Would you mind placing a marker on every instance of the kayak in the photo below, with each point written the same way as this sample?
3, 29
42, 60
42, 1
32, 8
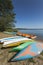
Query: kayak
26, 35
10, 33
22, 46
15, 42
29, 52
10, 38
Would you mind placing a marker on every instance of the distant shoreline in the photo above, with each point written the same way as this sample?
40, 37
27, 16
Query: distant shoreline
28, 28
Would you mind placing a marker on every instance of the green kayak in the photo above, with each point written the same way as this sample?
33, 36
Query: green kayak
22, 46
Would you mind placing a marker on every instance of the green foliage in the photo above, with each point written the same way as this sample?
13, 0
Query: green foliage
7, 16
11, 30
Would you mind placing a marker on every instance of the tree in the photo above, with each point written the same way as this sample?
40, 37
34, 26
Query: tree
7, 16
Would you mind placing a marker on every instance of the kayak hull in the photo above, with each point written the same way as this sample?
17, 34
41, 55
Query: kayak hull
29, 52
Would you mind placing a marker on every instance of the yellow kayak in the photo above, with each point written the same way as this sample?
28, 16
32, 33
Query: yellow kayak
16, 43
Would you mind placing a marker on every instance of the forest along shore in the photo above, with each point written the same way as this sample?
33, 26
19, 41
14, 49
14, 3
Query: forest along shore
5, 56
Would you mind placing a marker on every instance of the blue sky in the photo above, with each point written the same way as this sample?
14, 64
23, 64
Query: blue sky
29, 13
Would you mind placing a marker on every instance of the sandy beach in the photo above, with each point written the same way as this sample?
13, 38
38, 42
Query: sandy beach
5, 56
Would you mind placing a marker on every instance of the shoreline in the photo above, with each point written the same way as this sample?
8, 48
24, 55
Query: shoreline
4, 35
5, 55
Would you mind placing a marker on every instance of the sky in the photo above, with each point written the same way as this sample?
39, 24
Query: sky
29, 13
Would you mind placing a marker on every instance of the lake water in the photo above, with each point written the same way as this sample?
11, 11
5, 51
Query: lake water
38, 32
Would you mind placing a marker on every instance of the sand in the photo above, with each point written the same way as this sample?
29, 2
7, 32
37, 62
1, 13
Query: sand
5, 56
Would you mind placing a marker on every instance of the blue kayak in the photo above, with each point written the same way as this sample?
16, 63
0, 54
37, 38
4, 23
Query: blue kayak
10, 38
29, 52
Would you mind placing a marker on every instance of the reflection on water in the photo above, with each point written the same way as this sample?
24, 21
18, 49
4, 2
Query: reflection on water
38, 33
